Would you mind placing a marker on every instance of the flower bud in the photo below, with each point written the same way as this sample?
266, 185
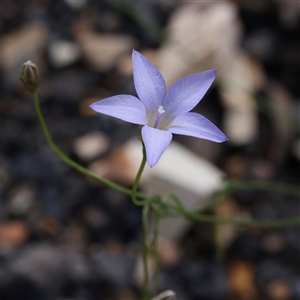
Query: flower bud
30, 77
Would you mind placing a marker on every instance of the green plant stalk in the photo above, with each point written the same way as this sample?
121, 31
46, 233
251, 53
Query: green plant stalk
137, 181
267, 186
243, 223
145, 288
219, 248
71, 162
252, 185
194, 215
155, 251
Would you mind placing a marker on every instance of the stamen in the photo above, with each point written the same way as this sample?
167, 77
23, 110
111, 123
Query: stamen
158, 117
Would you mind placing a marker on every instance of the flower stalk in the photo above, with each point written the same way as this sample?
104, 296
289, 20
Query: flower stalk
137, 180
145, 288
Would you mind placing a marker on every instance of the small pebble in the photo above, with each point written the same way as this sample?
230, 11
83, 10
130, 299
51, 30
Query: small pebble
241, 280
21, 199
273, 242
169, 252
89, 146
63, 53
279, 290
14, 233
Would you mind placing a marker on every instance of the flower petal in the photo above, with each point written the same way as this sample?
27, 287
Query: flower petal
149, 83
125, 107
156, 141
187, 92
193, 124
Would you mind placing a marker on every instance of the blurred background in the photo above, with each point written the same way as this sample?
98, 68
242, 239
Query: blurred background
66, 237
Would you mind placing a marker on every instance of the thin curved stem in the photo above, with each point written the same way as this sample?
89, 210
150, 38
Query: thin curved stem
71, 162
155, 251
244, 223
145, 288
195, 216
267, 186
219, 247
252, 185
137, 181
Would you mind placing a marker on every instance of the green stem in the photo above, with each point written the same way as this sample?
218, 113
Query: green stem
245, 223
219, 246
267, 186
137, 180
233, 185
145, 288
195, 216
71, 162
155, 252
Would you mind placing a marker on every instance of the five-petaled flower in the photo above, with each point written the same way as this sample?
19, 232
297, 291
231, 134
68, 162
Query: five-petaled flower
162, 113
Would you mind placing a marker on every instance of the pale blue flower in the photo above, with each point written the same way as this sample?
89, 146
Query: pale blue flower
162, 113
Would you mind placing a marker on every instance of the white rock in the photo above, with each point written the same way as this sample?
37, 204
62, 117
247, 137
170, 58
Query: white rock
91, 145
21, 199
63, 53
76, 4
240, 125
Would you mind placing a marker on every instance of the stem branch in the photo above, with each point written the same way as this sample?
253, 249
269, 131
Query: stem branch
145, 288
